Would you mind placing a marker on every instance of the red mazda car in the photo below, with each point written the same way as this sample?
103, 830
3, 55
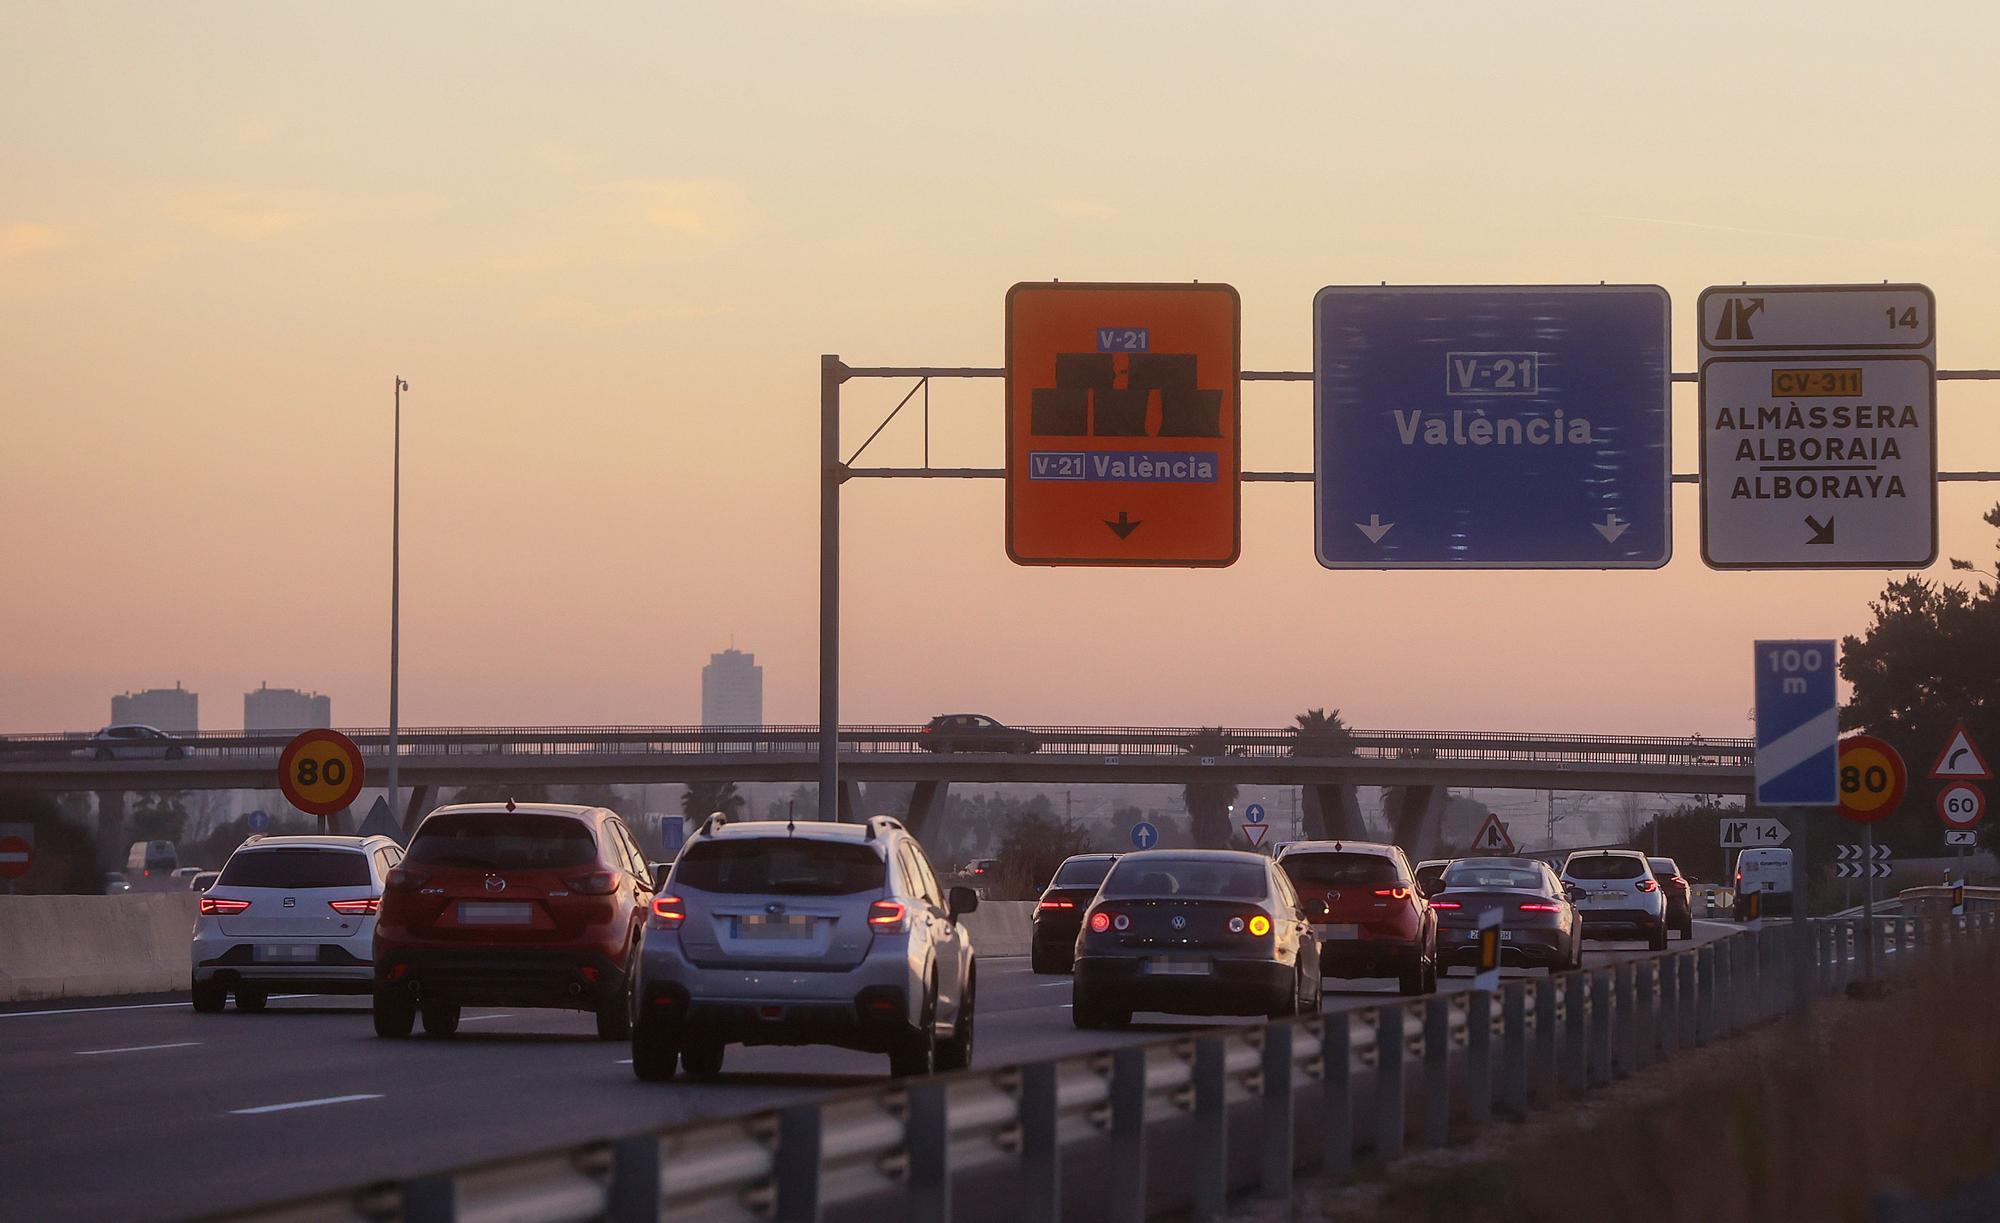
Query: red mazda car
530, 904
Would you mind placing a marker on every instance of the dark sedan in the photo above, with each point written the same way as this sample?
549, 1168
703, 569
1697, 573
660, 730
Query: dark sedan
1680, 895
975, 732
1194, 932
1539, 927
1059, 914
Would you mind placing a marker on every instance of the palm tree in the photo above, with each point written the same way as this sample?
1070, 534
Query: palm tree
705, 798
1319, 733
1208, 802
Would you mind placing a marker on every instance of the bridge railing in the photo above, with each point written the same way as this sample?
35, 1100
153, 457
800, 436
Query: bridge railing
1180, 1124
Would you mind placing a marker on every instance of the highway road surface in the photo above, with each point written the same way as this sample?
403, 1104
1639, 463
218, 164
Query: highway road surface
140, 1109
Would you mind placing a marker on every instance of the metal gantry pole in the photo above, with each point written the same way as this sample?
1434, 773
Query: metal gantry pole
1870, 937
832, 372
396, 599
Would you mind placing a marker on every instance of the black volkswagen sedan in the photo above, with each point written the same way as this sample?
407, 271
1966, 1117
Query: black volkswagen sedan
1538, 923
1194, 932
1058, 914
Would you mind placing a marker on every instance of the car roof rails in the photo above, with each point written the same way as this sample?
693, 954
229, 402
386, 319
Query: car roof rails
716, 819
893, 823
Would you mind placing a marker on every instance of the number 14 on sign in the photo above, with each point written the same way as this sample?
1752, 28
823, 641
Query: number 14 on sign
1753, 833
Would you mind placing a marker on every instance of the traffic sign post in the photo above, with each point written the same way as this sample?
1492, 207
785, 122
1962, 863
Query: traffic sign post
1752, 833
1865, 861
1123, 415
1957, 837
1492, 427
257, 821
1487, 975
1254, 833
320, 772
1960, 760
17, 852
1818, 427
1254, 813
1961, 805
1798, 723
1872, 778
1144, 835
1492, 837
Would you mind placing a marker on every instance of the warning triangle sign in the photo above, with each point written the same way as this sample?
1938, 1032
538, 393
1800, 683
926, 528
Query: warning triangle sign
1255, 833
1961, 759
1492, 837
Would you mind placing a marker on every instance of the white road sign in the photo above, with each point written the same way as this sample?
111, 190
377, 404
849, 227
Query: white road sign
1818, 427
1961, 836
1753, 834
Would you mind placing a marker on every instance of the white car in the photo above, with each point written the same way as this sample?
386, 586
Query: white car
131, 741
291, 913
1617, 896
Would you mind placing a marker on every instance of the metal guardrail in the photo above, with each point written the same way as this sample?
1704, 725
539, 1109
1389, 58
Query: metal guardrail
1425, 1066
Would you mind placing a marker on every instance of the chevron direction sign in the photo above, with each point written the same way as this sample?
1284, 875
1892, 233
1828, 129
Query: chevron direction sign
1858, 862
1798, 724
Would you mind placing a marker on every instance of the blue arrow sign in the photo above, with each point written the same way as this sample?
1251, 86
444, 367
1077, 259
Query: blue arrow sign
1798, 724
1492, 427
257, 820
1254, 813
1144, 835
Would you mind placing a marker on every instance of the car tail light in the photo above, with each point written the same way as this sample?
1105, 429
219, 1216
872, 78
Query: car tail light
1100, 922
1647, 885
1260, 925
596, 883
1446, 904
1120, 921
1678, 882
889, 916
1056, 904
356, 908
213, 905
1540, 906
1395, 893
1236, 925
404, 877
669, 911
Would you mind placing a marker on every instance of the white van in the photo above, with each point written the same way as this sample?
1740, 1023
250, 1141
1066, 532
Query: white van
1768, 873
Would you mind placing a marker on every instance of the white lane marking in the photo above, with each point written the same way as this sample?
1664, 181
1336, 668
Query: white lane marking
1054, 985
179, 1044
280, 1108
624, 1061
130, 1006
477, 1018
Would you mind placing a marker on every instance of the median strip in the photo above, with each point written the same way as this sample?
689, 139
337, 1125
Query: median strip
281, 1108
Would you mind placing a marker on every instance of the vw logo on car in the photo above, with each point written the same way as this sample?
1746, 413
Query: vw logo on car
1180, 923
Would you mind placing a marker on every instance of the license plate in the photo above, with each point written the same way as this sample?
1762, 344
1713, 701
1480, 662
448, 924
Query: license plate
487, 913
1610, 895
287, 953
1506, 936
1342, 930
757, 926
1178, 968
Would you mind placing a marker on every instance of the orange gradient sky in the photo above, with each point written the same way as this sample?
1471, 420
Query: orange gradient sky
607, 245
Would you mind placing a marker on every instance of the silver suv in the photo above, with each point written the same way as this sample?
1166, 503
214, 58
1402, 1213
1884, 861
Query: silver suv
774, 933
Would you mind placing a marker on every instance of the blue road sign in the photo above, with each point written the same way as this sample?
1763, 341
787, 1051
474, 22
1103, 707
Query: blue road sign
257, 820
1254, 813
1493, 427
1144, 835
1798, 724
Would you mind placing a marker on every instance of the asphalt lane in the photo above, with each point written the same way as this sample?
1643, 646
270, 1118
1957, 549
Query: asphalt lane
145, 1110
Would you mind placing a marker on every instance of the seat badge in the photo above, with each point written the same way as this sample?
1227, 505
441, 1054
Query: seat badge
291, 902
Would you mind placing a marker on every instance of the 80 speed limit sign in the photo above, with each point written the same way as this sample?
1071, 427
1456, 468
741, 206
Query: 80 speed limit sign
320, 772
1961, 805
1872, 778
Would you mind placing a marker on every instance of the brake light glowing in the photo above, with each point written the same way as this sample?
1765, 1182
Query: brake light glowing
669, 911
1260, 925
1396, 893
1677, 881
1647, 885
597, 883
1446, 904
1057, 904
1100, 922
888, 916
356, 908
214, 905
1540, 906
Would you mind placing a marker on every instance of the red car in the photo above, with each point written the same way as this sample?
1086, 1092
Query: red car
1366, 909
1680, 894
530, 904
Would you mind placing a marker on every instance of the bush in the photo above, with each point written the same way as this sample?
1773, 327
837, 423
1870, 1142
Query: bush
65, 853
1032, 846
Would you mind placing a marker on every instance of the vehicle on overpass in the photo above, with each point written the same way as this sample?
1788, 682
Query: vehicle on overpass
1194, 932
1058, 916
1766, 873
1367, 912
771, 932
290, 913
975, 732
1617, 896
1679, 893
521, 904
131, 741
1539, 926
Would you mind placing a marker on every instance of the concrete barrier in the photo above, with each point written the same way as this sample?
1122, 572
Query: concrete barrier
90, 946
1001, 927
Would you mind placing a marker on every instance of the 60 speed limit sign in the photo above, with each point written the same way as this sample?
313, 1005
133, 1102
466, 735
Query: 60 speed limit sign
1872, 778
1961, 806
320, 772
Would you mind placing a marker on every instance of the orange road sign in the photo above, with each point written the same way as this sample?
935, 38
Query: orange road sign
1124, 442
1872, 778
320, 772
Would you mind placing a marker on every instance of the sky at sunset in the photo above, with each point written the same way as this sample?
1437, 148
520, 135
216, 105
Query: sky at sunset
607, 244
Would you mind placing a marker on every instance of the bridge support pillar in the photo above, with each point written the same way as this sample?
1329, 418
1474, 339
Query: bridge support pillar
1416, 819
111, 843
1333, 813
420, 797
926, 804
853, 805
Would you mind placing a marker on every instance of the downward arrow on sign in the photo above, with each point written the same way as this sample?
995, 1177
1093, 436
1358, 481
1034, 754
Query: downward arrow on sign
1374, 528
1124, 526
1611, 528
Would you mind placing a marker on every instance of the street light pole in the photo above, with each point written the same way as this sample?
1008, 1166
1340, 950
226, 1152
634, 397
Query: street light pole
396, 598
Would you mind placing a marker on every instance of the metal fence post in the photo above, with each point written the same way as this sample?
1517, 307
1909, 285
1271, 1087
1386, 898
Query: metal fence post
1389, 1082
1704, 995
1041, 1169
1478, 1057
1920, 945
927, 1139
1336, 1101
635, 1180
430, 1199
1211, 1129
1600, 1027
1437, 1070
1127, 1173
1625, 1014
1277, 1090
1576, 1059
1514, 1049
796, 1164
1547, 1072
1668, 1008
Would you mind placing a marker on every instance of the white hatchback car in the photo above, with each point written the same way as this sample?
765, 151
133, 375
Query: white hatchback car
291, 913
1617, 896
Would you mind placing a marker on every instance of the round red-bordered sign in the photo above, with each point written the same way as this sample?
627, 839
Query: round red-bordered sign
321, 772
1872, 778
1961, 806
16, 857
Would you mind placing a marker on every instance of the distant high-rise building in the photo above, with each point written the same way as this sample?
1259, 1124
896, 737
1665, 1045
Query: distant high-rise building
271, 708
171, 709
732, 690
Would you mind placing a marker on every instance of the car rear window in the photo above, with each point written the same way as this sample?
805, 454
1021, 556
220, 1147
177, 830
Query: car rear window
1082, 873
1315, 872
1493, 877
780, 867
493, 840
1608, 866
1222, 878
296, 868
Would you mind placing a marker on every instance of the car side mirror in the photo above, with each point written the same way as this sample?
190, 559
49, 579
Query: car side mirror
1570, 892
658, 870
960, 901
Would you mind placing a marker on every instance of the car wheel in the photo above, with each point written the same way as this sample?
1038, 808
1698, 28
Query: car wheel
702, 1059
1045, 961
395, 1013
1657, 941
1687, 928
440, 1018
653, 1053
614, 1008
1286, 1005
956, 1053
103, 753
175, 753
1410, 982
916, 1053
251, 998
209, 997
